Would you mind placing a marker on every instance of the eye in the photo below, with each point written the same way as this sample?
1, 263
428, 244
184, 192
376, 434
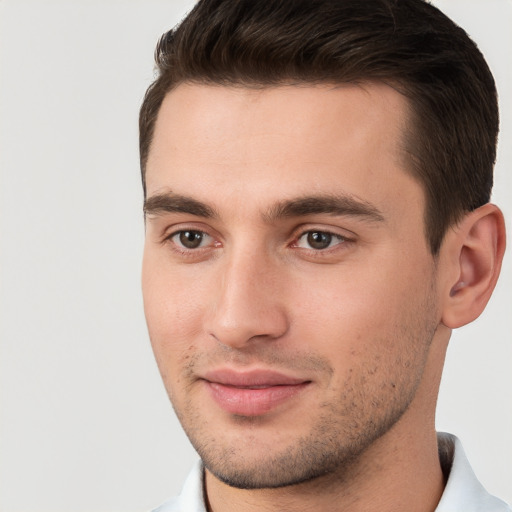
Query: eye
190, 239
318, 240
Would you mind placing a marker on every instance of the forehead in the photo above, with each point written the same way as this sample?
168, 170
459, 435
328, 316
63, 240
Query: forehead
230, 141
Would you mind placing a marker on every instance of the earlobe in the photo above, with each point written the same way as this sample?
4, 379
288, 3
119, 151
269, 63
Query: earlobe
476, 248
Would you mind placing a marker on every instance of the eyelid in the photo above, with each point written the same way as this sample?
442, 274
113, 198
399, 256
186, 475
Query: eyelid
347, 239
331, 230
171, 231
334, 236
203, 243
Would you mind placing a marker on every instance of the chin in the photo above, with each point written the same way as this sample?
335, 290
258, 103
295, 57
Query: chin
305, 461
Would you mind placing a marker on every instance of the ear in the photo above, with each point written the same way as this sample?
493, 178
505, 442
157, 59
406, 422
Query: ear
473, 251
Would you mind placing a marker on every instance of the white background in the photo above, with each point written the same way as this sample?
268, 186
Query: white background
85, 422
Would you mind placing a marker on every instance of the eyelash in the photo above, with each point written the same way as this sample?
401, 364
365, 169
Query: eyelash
318, 252
185, 251
323, 235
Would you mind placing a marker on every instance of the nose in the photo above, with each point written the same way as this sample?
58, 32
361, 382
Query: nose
247, 303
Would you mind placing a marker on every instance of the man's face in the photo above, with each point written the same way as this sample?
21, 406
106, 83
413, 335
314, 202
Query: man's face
288, 287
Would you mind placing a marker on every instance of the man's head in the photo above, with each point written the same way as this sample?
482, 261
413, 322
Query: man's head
450, 140
292, 151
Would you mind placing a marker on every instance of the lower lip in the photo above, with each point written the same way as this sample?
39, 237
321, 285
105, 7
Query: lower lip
252, 402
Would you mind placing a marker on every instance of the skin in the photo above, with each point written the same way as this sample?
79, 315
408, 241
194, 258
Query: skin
363, 322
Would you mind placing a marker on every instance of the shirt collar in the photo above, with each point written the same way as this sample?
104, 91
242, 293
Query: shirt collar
463, 491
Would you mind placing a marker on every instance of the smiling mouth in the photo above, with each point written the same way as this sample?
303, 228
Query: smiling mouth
252, 393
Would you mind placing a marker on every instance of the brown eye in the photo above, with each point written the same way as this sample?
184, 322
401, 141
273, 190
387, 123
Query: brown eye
190, 239
319, 239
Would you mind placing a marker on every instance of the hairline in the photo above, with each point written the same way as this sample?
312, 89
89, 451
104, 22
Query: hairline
260, 85
405, 146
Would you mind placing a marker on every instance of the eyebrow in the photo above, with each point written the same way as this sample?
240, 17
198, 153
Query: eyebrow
170, 202
336, 205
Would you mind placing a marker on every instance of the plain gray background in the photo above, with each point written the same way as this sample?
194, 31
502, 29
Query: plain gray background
85, 422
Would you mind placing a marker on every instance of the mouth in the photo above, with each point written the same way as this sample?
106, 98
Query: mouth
252, 393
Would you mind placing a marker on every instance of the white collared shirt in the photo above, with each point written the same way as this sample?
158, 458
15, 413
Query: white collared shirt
463, 492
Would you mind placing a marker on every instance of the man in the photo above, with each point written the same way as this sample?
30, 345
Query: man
317, 177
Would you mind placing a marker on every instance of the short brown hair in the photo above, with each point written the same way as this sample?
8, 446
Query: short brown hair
408, 44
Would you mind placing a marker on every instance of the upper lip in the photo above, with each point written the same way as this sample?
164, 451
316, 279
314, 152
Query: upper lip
252, 378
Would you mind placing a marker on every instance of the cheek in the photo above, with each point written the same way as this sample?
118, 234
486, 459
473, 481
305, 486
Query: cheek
375, 311
172, 306
343, 302
173, 326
